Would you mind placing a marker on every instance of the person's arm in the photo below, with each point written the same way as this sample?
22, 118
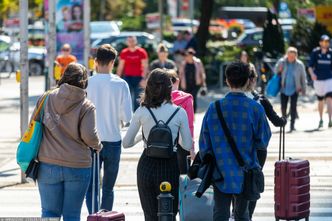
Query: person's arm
303, 79
130, 138
312, 64
126, 104
271, 114
205, 144
262, 131
279, 67
182, 77
119, 70
189, 108
88, 129
187, 140
203, 75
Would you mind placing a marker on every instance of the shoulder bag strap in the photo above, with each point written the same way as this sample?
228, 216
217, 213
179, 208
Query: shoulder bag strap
40, 108
229, 136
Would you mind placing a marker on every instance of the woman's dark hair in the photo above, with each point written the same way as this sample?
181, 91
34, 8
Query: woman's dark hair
73, 13
237, 74
158, 89
75, 75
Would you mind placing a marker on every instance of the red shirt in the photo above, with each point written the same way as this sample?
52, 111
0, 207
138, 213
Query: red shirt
133, 61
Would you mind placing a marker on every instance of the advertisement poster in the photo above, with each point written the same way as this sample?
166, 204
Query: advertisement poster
324, 16
69, 26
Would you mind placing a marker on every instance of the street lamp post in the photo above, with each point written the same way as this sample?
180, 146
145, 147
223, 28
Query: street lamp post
161, 18
51, 47
24, 68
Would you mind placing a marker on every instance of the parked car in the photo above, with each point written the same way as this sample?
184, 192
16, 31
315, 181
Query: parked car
251, 38
10, 55
103, 29
144, 39
254, 37
184, 24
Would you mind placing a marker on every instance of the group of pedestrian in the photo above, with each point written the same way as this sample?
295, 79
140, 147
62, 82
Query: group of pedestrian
83, 116
293, 80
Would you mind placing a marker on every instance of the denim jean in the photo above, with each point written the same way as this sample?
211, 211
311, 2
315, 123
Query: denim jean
221, 210
110, 158
62, 190
135, 89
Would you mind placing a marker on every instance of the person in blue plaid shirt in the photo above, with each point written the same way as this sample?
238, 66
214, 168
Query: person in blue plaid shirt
248, 125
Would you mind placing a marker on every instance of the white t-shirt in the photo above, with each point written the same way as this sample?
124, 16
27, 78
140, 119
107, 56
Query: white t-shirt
111, 97
142, 117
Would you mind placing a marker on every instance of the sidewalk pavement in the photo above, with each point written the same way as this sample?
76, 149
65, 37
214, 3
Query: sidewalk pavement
306, 143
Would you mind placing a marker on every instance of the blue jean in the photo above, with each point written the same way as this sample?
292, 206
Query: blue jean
62, 190
110, 157
135, 89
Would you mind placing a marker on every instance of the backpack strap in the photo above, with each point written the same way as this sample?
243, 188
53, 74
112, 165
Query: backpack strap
154, 117
171, 117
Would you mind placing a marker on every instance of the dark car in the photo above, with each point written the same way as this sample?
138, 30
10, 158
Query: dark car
251, 38
144, 39
10, 57
254, 37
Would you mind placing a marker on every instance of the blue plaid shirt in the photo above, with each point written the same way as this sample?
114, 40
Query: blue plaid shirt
247, 123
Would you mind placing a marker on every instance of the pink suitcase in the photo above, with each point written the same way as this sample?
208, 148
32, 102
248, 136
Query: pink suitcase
291, 187
105, 215
101, 215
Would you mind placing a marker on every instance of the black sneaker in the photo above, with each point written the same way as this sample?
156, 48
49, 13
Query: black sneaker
320, 125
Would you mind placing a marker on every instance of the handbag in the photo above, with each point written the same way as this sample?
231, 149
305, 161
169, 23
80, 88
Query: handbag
191, 207
32, 170
253, 184
273, 86
28, 148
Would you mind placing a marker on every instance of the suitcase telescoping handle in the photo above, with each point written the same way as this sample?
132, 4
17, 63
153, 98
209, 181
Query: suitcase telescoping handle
282, 142
95, 181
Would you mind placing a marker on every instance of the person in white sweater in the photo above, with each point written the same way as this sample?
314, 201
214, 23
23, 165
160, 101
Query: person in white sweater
151, 171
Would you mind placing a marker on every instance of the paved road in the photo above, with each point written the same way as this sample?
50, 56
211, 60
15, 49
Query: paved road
306, 143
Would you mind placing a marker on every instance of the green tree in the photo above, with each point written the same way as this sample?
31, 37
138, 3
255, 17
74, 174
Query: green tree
11, 7
306, 35
116, 9
202, 34
273, 38
301, 35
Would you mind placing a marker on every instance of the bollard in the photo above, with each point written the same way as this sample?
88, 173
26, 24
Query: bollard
165, 203
18, 76
57, 72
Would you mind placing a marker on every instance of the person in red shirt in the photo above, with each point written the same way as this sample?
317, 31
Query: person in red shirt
133, 67
65, 58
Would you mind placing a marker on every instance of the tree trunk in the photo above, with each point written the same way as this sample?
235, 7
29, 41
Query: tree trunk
202, 34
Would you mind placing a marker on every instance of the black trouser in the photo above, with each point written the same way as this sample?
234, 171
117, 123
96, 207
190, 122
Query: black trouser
222, 203
293, 106
150, 173
183, 161
194, 91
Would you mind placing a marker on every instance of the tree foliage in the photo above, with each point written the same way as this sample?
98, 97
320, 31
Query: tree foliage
273, 38
11, 7
116, 9
306, 35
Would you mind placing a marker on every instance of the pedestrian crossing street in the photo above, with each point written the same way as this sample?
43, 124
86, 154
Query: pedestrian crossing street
127, 201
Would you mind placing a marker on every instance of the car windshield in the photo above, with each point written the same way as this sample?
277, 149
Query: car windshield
103, 27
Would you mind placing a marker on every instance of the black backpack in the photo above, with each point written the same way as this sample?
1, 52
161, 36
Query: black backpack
160, 141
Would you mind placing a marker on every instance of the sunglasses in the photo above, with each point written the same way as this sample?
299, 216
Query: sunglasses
65, 49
